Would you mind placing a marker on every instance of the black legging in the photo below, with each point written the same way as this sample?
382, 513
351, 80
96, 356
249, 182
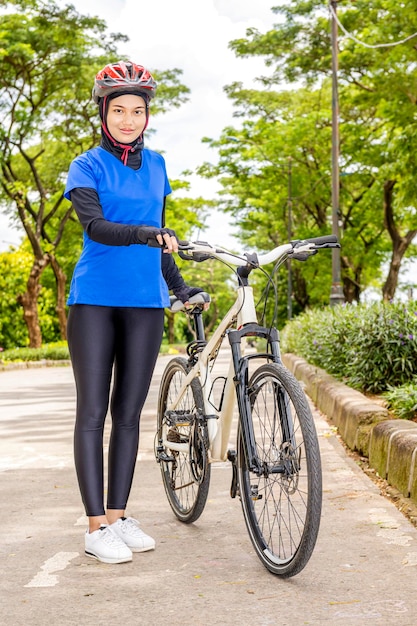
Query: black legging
98, 337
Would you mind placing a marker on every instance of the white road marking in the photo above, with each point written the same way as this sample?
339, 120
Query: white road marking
45, 577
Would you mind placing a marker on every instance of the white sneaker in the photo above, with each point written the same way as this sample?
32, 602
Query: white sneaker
128, 529
104, 544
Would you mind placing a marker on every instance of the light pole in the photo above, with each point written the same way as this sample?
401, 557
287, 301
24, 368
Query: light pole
289, 226
336, 294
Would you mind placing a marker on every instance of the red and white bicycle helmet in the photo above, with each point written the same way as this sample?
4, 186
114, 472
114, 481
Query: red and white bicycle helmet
123, 76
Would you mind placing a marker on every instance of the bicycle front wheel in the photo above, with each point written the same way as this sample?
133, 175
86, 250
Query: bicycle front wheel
182, 443
281, 502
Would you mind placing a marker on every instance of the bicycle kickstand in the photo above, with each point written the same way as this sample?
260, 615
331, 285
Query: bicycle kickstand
234, 487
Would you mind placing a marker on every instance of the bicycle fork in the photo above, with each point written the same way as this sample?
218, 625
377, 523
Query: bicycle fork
241, 382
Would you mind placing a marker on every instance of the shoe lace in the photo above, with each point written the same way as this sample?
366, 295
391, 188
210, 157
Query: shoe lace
132, 526
109, 537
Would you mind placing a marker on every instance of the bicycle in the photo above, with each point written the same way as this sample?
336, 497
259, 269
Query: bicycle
276, 467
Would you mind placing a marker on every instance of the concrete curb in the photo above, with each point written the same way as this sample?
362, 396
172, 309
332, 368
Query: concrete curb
365, 426
23, 365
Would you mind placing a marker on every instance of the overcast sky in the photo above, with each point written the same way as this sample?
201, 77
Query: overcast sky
192, 35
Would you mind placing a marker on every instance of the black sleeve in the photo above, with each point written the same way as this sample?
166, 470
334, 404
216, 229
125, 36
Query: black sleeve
88, 208
163, 212
171, 273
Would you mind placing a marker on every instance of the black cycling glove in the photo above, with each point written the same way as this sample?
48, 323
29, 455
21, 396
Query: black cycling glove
146, 235
186, 292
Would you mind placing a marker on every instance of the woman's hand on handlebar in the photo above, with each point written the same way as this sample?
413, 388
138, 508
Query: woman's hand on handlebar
158, 237
168, 240
185, 292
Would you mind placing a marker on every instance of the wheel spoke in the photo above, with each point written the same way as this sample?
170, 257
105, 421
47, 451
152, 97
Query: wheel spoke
186, 475
283, 518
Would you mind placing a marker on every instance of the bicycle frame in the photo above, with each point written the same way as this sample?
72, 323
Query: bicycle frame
242, 314
276, 469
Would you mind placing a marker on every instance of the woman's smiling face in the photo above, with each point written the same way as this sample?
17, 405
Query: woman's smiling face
126, 117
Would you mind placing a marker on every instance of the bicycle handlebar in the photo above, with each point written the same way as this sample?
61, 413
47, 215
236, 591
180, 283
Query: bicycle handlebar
298, 249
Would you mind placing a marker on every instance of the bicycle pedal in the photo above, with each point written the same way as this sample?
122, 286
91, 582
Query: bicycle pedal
163, 456
255, 495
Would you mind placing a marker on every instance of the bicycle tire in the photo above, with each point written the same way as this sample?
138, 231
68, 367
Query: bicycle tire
185, 475
282, 510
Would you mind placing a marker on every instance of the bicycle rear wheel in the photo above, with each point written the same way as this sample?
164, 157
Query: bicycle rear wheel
185, 470
282, 503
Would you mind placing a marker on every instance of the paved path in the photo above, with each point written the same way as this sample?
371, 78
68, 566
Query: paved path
363, 571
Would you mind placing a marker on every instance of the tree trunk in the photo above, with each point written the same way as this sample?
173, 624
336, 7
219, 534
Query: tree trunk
351, 290
299, 288
29, 302
391, 282
351, 280
61, 281
399, 244
171, 332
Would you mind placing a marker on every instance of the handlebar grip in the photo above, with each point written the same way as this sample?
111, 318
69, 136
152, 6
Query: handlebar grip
198, 299
152, 243
325, 239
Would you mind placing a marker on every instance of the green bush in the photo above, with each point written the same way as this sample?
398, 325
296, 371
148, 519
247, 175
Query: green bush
58, 351
403, 400
369, 347
52, 352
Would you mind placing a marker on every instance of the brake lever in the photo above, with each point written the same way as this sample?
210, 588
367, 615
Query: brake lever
186, 252
328, 245
302, 256
194, 256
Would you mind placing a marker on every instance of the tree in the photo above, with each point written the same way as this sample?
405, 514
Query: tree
276, 178
182, 215
377, 127
48, 58
14, 270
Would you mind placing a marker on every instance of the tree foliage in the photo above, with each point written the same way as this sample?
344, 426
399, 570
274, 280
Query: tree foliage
279, 127
14, 271
49, 56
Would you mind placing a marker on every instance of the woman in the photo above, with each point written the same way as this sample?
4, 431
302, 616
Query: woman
118, 293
